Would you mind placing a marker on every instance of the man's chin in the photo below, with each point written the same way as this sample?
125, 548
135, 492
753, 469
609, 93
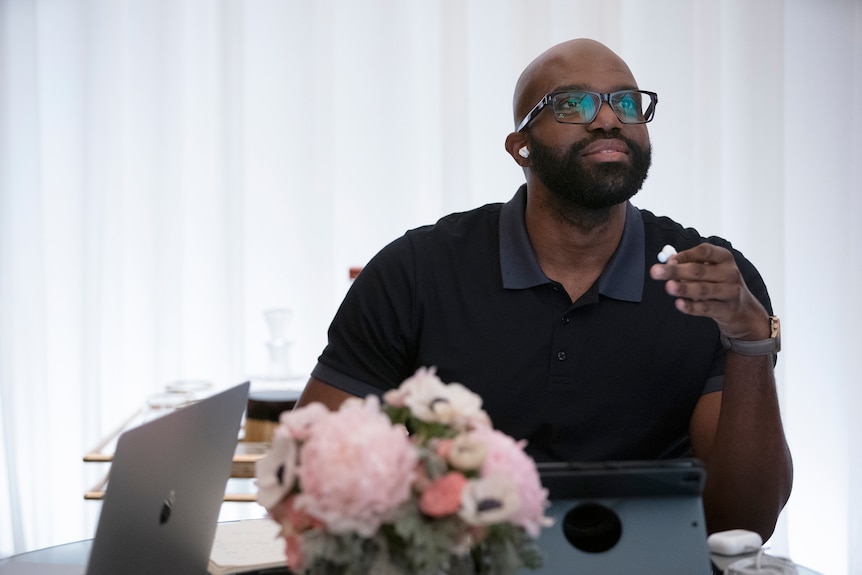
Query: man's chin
596, 197
601, 203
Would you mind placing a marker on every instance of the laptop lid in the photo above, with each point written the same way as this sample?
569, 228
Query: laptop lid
619, 518
166, 486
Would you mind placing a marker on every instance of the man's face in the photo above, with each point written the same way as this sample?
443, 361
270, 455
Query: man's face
599, 171
590, 166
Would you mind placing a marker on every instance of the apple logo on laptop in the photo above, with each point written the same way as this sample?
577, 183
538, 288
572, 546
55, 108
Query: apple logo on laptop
167, 507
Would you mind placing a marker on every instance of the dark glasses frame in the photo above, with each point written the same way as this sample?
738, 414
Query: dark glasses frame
550, 97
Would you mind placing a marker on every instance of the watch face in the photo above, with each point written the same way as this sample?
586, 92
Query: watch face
775, 332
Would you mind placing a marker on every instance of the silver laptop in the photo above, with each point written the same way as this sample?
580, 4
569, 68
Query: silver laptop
165, 490
620, 518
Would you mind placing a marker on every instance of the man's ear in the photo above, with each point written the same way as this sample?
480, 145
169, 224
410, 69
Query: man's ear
518, 146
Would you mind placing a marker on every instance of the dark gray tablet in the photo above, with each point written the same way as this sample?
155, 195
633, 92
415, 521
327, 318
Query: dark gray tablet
625, 518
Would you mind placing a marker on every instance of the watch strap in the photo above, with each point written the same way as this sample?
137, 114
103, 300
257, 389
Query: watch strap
769, 346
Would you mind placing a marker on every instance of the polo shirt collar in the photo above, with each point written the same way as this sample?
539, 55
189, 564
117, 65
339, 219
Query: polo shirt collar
622, 279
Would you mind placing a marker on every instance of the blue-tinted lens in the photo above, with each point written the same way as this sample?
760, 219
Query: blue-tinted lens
628, 106
576, 107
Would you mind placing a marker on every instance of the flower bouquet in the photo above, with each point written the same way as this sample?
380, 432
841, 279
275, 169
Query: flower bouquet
420, 485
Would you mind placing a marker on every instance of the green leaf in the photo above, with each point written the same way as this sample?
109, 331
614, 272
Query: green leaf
506, 550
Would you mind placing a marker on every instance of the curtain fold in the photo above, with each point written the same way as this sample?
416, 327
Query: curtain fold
171, 169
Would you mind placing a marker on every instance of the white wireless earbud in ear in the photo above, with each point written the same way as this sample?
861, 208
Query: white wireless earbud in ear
524, 152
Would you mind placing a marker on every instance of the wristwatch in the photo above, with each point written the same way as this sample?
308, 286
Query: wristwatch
761, 347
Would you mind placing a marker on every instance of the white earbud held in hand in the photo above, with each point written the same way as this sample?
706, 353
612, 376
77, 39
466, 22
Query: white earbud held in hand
665, 253
524, 152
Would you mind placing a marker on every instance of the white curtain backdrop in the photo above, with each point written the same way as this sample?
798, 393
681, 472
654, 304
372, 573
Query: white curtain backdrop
170, 169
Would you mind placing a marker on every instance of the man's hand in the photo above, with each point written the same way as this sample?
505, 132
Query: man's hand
706, 282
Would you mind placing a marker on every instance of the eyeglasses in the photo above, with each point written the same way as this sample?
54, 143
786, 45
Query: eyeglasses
582, 107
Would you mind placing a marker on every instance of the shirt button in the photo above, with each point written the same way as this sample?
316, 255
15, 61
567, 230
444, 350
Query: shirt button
565, 320
561, 355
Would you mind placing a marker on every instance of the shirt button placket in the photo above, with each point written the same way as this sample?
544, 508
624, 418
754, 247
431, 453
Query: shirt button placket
561, 355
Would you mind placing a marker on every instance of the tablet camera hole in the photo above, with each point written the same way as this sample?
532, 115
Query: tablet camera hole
592, 527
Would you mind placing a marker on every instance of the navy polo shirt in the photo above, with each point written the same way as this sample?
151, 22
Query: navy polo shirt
612, 376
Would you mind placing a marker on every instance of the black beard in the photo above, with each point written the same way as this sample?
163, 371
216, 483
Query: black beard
596, 188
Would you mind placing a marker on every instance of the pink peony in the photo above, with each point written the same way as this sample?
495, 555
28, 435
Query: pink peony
355, 469
301, 421
508, 458
443, 496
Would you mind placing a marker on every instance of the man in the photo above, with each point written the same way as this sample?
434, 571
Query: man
554, 309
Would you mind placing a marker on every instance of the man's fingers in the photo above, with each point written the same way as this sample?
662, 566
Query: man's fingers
704, 308
703, 290
704, 253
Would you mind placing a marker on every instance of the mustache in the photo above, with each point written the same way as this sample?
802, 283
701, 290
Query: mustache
604, 136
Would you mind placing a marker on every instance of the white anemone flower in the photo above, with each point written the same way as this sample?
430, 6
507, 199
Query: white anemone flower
489, 500
467, 453
432, 401
276, 471
398, 397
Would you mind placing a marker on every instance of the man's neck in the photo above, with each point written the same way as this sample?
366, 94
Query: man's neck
572, 244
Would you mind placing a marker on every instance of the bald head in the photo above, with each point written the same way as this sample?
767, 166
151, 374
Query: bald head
581, 63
